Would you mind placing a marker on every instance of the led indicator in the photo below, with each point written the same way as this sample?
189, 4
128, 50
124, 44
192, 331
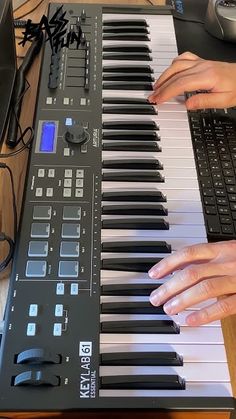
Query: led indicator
68, 122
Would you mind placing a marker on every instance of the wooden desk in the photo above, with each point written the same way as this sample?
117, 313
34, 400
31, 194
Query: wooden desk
19, 164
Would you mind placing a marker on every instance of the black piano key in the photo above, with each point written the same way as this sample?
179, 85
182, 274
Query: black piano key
134, 196
128, 77
126, 100
131, 135
131, 307
133, 176
129, 85
125, 29
141, 358
127, 68
130, 109
139, 164
129, 264
127, 48
130, 22
125, 36
142, 382
128, 289
139, 223
131, 146
126, 56
140, 326
131, 125
134, 209
136, 246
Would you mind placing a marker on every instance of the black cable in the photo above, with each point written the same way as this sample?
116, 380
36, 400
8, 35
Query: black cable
18, 23
6, 261
26, 145
3, 236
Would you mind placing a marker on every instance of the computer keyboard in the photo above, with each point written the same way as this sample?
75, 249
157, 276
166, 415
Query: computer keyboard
214, 143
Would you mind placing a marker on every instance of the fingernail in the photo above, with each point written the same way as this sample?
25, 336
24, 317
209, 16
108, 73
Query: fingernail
156, 298
170, 307
153, 273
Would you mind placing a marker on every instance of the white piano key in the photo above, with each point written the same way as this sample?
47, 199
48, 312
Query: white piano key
173, 194
176, 243
172, 206
167, 162
192, 372
165, 123
142, 95
190, 353
171, 183
164, 153
199, 335
179, 318
203, 390
174, 231
173, 218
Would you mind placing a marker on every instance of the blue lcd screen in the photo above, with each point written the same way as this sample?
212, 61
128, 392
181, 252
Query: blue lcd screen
47, 139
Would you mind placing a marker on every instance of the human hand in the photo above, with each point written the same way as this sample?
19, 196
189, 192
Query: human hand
203, 271
188, 72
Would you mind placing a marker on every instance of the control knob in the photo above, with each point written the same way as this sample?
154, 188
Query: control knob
76, 135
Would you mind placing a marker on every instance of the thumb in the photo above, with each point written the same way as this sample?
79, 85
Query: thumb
207, 100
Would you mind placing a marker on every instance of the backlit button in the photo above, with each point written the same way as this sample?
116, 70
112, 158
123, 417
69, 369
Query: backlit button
68, 173
80, 173
42, 212
71, 213
70, 231
49, 192
69, 249
67, 183
31, 329
58, 310
38, 248
79, 193
51, 172
40, 230
41, 172
66, 101
74, 289
68, 269
60, 289
33, 310
36, 269
67, 192
79, 183
57, 329
39, 192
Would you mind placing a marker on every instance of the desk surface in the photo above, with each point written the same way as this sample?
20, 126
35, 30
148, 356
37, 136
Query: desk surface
34, 9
